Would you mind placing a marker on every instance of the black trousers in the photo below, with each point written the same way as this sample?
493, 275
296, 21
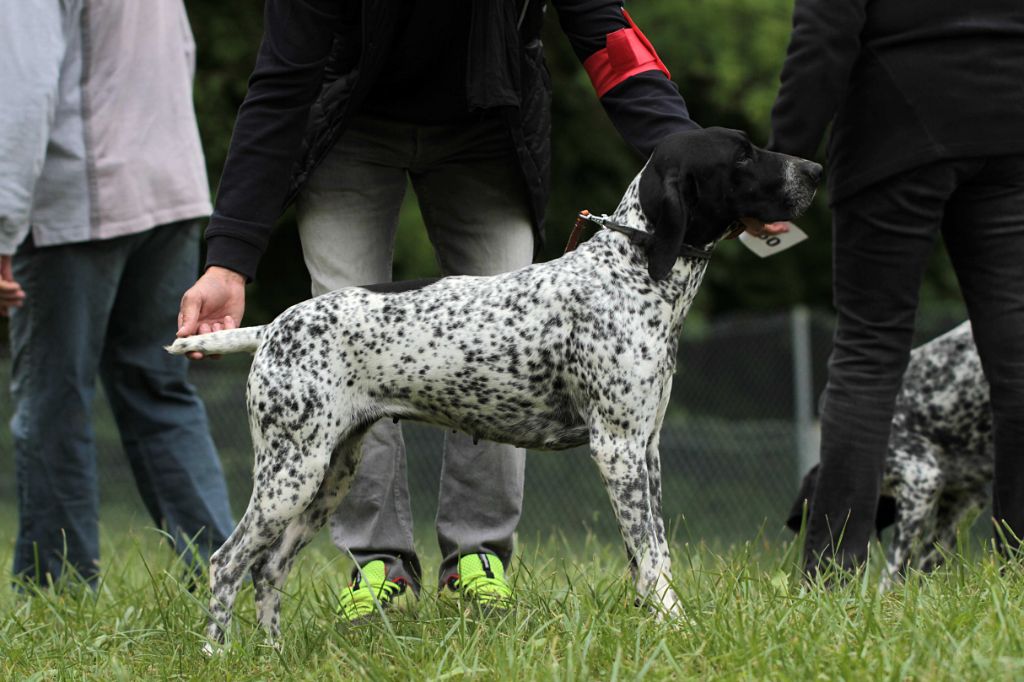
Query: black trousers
882, 239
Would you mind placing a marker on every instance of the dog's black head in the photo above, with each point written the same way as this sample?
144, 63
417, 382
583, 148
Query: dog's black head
699, 182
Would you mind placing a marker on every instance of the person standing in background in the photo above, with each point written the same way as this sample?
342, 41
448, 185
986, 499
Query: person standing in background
102, 182
348, 102
926, 103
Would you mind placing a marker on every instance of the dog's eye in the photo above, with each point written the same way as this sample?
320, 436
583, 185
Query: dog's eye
743, 161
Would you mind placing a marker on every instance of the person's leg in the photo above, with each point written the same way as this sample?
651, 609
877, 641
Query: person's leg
348, 215
56, 341
162, 420
984, 231
476, 208
881, 242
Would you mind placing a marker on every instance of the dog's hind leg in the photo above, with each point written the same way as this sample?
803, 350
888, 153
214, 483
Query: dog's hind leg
270, 571
280, 493
254, 533
622, 463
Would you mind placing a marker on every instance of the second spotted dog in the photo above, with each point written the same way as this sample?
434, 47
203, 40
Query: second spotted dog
940, 456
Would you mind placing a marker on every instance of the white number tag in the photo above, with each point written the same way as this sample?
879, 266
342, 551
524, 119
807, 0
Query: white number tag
771, 244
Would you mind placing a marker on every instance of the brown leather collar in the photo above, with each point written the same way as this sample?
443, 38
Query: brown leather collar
637, 237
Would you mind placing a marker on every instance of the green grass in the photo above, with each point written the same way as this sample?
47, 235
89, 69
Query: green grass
749, 618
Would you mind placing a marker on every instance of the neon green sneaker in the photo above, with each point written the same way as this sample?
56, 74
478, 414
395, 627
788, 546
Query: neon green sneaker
481, 579
369, 586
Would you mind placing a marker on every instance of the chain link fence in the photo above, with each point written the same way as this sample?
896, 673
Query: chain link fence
739, 433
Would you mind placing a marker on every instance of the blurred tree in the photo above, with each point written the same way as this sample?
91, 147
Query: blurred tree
724, 54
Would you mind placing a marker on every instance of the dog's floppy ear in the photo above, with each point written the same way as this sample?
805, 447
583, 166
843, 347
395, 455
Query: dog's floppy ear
664, 200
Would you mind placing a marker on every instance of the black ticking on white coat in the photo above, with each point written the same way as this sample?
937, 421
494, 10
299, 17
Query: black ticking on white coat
555, 355
941, 454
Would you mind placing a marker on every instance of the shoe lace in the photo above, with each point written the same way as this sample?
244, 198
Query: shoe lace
360, 601
482, 588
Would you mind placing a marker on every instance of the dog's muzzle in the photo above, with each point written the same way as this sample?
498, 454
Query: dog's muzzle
802, 178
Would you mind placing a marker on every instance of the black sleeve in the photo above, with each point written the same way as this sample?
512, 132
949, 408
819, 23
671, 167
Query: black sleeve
823, 48
645, 107
297, 39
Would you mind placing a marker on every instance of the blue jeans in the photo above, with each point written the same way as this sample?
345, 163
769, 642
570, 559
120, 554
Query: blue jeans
107, 307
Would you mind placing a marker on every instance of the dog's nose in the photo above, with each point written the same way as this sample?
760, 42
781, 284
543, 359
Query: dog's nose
811, 171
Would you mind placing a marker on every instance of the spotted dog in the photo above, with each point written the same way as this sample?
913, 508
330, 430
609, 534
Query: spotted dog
940, 457
579, 349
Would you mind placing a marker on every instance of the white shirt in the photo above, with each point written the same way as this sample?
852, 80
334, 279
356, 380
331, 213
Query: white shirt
98, 135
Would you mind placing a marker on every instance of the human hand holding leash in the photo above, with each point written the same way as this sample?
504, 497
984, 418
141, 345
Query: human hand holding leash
215, 302
11, 293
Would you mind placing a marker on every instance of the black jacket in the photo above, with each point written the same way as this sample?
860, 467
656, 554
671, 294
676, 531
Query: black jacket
904, 83
319, 59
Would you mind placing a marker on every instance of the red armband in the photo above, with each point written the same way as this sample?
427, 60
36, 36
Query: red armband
627, 52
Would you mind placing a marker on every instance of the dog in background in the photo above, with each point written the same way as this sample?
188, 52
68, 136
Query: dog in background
941, 454
555, 355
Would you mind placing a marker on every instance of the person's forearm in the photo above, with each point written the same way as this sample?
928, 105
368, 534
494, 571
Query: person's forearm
823, 48
645, 109
268, 132
628, 77
32, 44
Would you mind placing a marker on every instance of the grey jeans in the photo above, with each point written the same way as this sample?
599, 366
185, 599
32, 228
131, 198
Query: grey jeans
474, 203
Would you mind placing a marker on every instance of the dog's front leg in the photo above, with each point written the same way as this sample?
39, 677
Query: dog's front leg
916, 500
622, 462
663, 586
653, 458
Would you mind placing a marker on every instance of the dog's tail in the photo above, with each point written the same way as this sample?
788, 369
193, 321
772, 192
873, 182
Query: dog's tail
246, 339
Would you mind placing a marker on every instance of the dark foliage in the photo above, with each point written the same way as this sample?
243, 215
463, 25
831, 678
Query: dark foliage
724, 54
